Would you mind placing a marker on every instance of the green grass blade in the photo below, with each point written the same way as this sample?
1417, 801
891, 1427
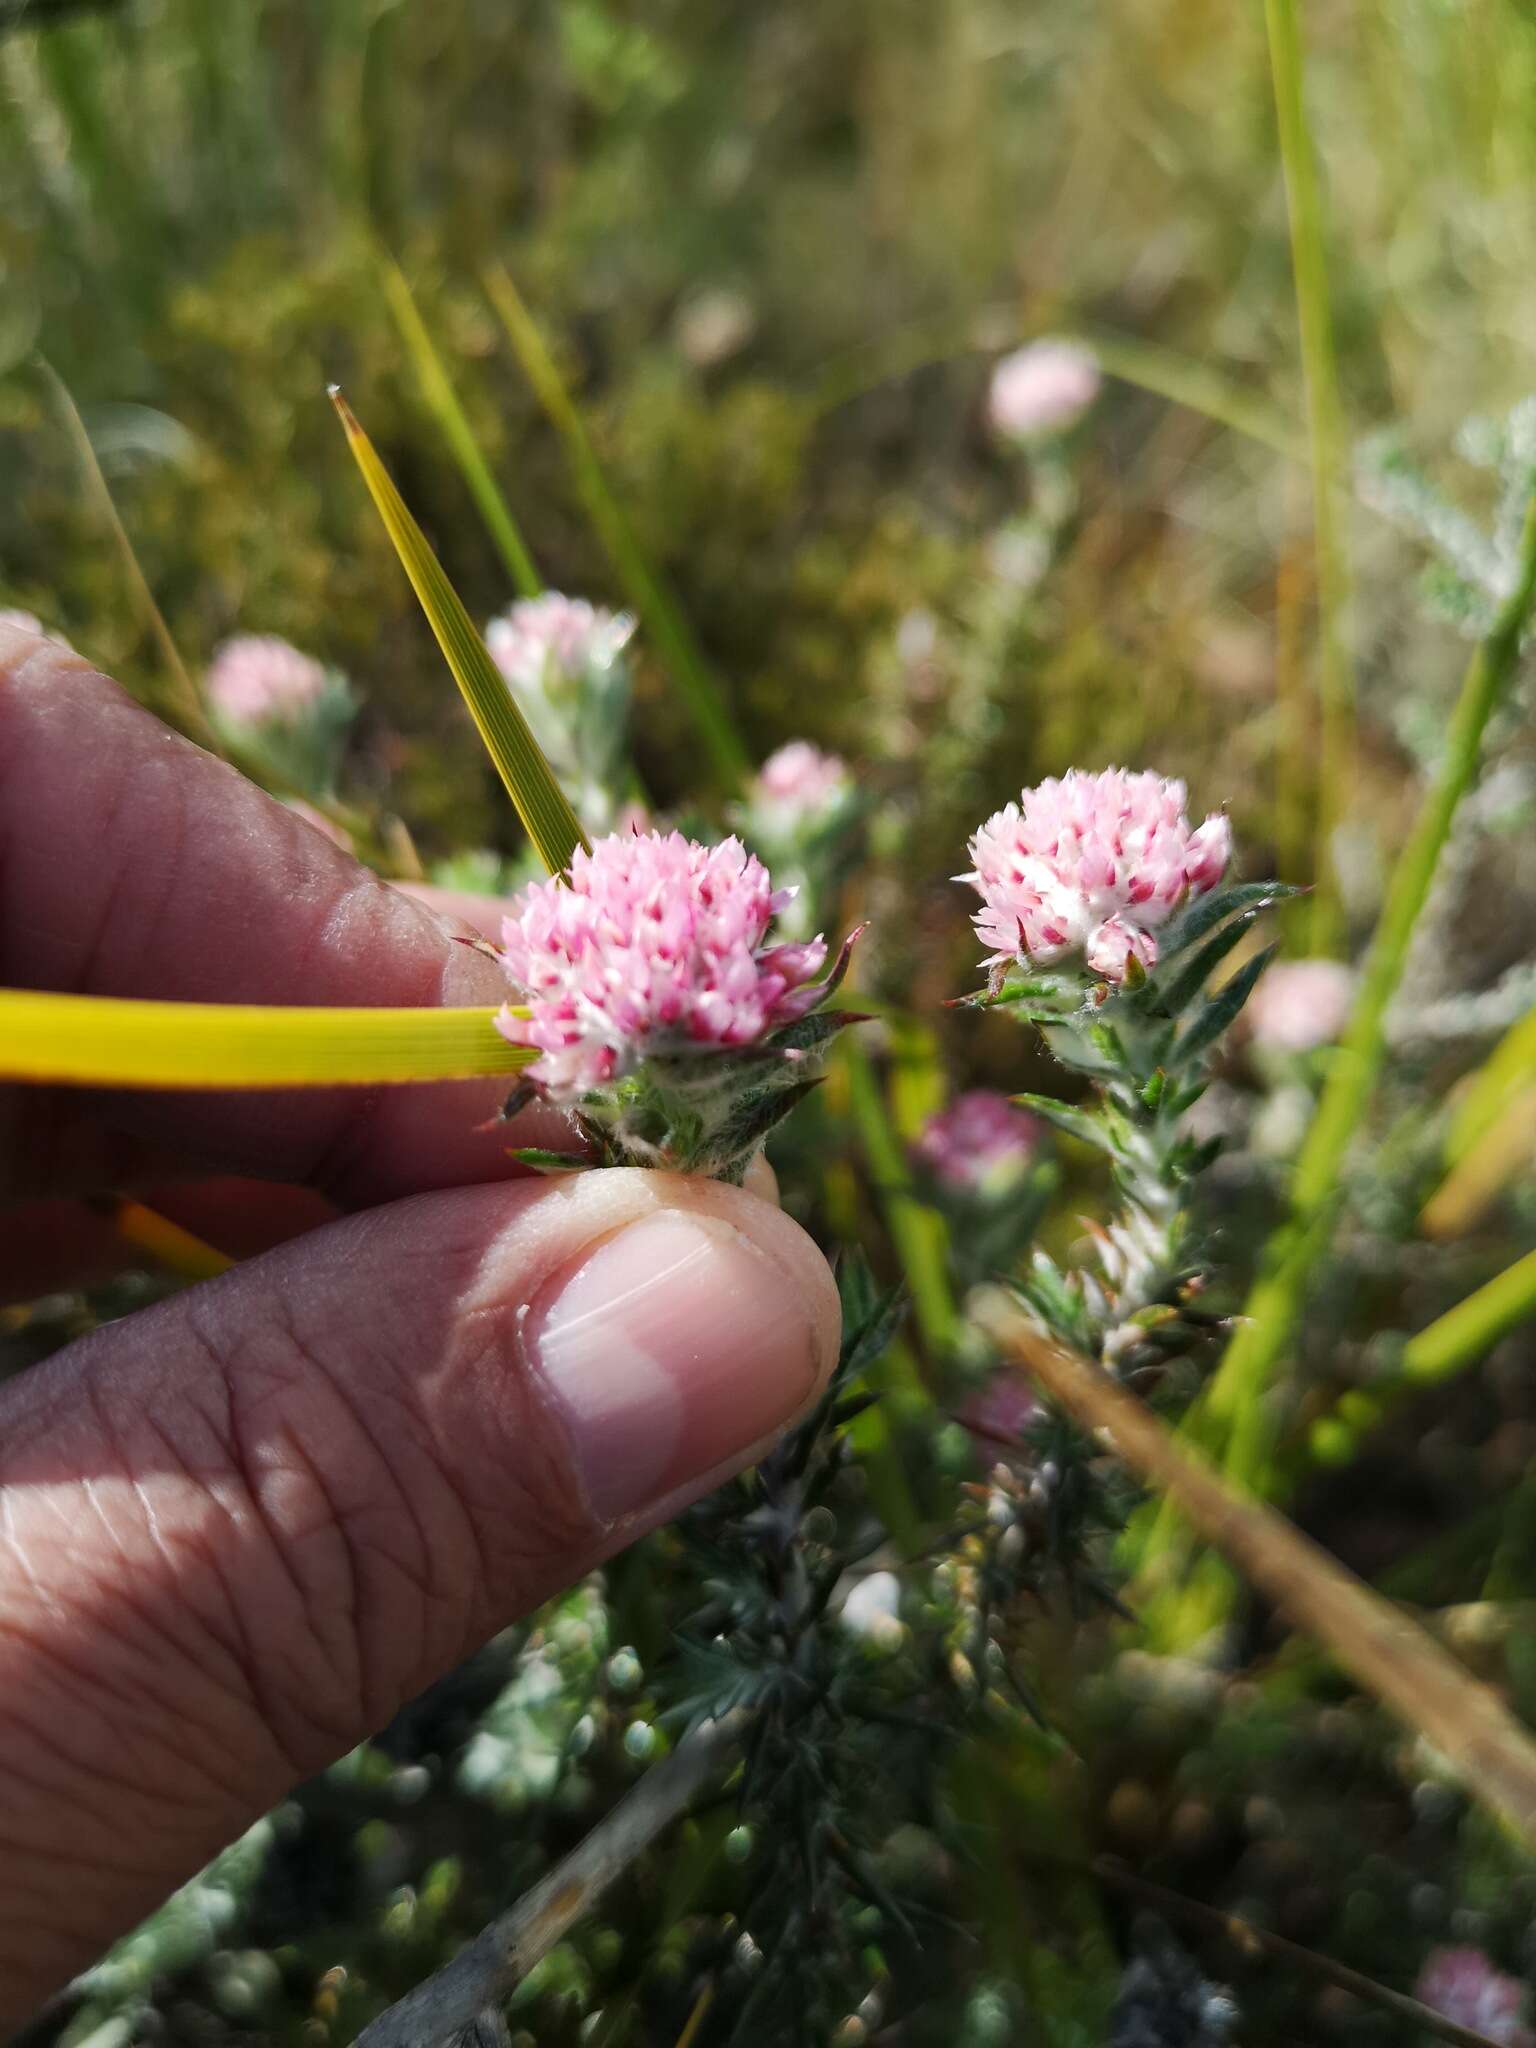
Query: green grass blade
1325, 434
184, 700
453, 423
1506, 1073
917, 1231
110, 1042
541, 803
1236, 1403
658, 609
1234, 1411
1447, 1346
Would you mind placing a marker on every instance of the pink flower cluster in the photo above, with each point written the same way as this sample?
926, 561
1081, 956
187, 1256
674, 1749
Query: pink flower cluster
551, 632
1000, 1412
1042, 389
800, 783
1463, 1985
982, 1136
1091, 864
656, 945
257, 679
1300, 1005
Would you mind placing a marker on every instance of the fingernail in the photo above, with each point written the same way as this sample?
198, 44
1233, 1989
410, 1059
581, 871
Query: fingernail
671, 1349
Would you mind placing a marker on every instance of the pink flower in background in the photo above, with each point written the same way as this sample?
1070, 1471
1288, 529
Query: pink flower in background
798, 784
656, 945
565, 635
981, 1137
1463, 1984
1301, 1004
1042, 389
258, 679
1091, 865
1000, 1412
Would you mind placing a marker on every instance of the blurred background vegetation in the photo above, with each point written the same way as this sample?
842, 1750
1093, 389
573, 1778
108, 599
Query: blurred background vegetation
775, 247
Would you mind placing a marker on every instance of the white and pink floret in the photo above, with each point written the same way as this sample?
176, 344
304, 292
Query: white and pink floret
257, 679
555, 638
1041, 389
799, 784
655, 946
1091, 866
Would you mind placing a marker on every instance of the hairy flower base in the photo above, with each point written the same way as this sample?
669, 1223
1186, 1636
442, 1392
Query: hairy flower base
706, 1113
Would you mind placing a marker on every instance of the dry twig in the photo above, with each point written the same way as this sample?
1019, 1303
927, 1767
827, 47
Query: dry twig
482, 1974
1380, 1646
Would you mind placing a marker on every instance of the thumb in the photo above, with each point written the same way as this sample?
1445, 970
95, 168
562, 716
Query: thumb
239, 1530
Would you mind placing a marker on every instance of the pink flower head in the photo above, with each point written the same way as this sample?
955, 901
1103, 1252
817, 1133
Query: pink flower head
23, 622
1463, 1984
1042, 389
1000, 1412
258, 679
981, 1137
553, 639
799, 783
656, 945
1301, 1004
1091, 865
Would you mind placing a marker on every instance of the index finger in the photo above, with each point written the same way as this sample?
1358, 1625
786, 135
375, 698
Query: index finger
132, 863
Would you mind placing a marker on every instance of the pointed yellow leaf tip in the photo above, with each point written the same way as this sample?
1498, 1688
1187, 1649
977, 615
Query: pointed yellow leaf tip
541, 803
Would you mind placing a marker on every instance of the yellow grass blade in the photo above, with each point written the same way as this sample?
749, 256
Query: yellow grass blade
541, 803
107, 1042
167, 1243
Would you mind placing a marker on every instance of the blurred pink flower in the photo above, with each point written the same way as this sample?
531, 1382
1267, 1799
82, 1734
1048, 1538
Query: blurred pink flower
799, 783
565, 635
981, 1137
1001, 1412
1463, 1984
1301, 1004
1042, 389
24, 622
657, 945
257, 679
1091, 864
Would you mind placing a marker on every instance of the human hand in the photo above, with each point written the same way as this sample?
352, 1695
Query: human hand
239, 1529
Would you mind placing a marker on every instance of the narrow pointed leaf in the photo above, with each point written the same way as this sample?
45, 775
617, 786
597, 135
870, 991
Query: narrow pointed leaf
1206, 912
541, 803
1180, 992
1221, 1009
108, 1042
1075, 1122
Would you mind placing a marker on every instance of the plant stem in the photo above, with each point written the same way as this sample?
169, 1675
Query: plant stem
663, 616
1325, 434
502, 1954
917, 1231
1235, 1408
443, 403
1448, 1346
